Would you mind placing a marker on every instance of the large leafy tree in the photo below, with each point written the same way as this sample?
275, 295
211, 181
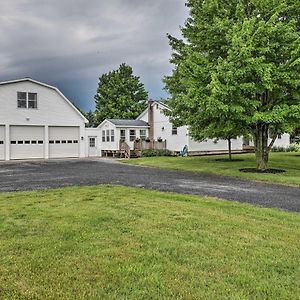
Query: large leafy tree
120, 94
239, 61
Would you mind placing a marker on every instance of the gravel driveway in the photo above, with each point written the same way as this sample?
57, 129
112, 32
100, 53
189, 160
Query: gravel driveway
36, 175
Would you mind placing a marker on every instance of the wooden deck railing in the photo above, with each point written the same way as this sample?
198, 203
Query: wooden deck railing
124, 149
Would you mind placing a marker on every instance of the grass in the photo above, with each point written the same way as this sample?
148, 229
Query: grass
208, 164
112, 242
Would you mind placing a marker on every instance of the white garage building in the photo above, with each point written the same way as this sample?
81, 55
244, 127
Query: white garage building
38, 121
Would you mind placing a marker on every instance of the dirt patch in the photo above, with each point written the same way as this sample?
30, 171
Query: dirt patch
228, 160
267, 171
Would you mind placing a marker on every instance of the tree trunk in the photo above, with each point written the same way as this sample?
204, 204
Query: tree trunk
229, 149
261, 146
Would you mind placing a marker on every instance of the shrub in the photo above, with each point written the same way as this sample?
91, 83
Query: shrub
150, 153
291, 148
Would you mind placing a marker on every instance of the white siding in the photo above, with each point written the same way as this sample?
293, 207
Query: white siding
210, 145
2, 142
108, 145
52, 110
26, 142
64, 142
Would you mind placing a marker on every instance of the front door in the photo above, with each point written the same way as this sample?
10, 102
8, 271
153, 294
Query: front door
92, 146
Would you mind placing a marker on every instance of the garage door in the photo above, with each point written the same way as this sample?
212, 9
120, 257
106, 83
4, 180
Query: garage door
26, 142
63, 142
2, 142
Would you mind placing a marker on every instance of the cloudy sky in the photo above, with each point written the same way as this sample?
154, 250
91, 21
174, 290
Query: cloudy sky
69, 43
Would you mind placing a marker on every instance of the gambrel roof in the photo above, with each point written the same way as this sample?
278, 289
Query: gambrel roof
47, 86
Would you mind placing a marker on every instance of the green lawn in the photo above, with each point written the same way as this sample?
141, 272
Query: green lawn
208, 164
111, 242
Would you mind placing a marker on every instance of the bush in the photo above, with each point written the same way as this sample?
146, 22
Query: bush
291, 148
151, 153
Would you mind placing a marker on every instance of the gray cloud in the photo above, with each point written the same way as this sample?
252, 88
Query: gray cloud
69, 43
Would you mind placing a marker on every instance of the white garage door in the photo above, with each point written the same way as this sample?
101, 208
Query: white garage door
2, 142
63, 142
26, 142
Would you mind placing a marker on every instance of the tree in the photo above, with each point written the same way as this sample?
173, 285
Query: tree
239, 61
91, 118
120, 95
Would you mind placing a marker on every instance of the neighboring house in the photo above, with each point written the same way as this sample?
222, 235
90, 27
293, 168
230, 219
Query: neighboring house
38, 121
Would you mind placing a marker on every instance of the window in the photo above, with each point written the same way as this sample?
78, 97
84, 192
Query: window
33, 142
20, 142
92, 142
57, 142
69, 141
75, 142
40, 142
22, 100
51, 142
112, 135
143, 134
64, 142
122, 135
13, 142
27, 142
1, 142
132, 135
174, 130
103, 135
32, 100
107, 135
27, 100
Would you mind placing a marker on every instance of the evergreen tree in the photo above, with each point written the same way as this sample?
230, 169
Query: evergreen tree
120, 95
238, 65
91, 118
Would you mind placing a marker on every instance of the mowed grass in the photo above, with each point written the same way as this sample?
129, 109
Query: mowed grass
290, 162
111, 242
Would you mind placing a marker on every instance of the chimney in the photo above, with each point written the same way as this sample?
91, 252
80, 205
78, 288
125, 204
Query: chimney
151, 119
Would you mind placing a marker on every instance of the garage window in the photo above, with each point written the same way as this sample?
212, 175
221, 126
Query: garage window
33, 142
27, 142
69, 142
40, 142
20, 143
1, 142
75, 142
13, 142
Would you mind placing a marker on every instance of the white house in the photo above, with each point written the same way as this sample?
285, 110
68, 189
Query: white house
177, 138
38, 121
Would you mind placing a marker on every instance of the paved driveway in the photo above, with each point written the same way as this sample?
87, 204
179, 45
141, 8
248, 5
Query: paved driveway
19, 176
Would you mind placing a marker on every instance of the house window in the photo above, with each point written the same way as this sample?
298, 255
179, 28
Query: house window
32, 100
112, 135
143, 134
22, 100
122, 135
103, 135
107, 135
132, 135
92, 142
174, 130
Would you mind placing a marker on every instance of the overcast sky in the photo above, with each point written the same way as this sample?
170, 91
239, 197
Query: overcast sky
69, 43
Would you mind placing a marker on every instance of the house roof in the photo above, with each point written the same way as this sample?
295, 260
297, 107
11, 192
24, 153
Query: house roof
128, 123
48, 86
